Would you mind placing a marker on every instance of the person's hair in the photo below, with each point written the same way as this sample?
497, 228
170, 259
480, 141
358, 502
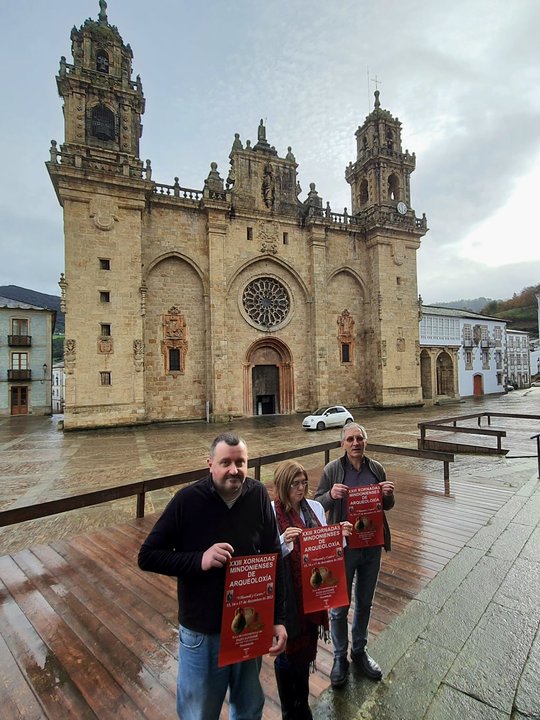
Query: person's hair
231, 439
352, 426
284, 474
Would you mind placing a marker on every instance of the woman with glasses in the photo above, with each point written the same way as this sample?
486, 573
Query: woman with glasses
294, 512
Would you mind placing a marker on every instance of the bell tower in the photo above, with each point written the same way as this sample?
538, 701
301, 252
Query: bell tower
101, 185
102, 104
380, 175
391, 233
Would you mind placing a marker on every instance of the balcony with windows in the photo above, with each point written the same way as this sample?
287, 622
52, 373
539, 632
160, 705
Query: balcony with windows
19, 374
19, 340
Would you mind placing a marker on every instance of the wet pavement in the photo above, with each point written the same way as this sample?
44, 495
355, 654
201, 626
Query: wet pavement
39, 462
467, 646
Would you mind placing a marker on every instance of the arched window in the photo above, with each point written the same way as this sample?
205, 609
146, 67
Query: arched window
364, 194
393, 188
102, 123
389, 139
102, 62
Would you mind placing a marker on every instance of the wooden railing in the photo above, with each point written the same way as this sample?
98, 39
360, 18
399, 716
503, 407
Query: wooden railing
140, 488
450, 424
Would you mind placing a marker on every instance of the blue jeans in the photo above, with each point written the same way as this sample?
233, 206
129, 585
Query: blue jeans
201, 686
365, 564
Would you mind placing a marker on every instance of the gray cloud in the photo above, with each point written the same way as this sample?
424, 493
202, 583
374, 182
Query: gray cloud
464, 83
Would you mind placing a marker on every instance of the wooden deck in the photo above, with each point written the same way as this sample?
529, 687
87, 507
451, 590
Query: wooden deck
85, 634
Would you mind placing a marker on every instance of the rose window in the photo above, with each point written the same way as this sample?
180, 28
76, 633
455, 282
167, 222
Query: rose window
266, 302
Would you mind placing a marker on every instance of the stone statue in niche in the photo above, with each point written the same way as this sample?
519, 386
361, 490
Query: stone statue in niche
268, 186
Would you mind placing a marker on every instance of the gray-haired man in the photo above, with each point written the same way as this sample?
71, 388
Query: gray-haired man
354, 469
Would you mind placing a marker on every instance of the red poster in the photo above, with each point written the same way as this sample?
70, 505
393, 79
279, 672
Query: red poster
248, 608
365, 512
323, 569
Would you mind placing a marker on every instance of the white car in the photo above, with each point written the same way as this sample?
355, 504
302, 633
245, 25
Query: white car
334, 416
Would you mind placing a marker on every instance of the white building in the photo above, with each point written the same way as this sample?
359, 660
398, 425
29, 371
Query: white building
518, 368
462, 353
58, 388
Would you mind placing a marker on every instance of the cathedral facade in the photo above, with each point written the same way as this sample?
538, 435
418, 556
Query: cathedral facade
235, 299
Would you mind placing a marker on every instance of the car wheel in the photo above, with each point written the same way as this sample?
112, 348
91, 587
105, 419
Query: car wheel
348, 420
320, 425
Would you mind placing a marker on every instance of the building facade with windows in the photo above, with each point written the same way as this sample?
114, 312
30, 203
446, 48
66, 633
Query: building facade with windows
462, 354
517, 359
58, 387
237, 298
25, 358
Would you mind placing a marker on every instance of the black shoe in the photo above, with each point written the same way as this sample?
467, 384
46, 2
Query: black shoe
340, 669
366, 665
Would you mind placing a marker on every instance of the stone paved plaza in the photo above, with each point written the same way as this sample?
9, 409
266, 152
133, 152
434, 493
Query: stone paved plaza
39, 462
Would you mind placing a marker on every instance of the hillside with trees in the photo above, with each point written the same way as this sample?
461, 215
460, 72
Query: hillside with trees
521, 311
474, 305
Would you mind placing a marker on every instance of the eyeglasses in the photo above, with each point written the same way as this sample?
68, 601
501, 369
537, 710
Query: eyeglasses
299, 483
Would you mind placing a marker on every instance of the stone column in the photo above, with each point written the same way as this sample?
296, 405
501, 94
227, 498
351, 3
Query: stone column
319, 340
216, 344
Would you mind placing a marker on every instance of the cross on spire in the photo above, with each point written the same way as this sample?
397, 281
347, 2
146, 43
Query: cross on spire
376, 81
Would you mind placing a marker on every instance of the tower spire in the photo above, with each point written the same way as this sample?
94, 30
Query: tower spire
102, 12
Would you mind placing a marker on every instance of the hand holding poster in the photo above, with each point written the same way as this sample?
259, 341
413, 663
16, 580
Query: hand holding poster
323, 569
365, 512
248, 608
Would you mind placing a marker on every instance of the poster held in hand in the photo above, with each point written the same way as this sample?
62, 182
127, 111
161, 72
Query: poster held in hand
248, 608
365, 513
323, 569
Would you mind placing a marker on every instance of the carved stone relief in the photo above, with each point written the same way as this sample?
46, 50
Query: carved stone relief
398, 254
70, 355
269, 233
400, 340
105, 345
138, 355
174, 339
345, 324
102, 214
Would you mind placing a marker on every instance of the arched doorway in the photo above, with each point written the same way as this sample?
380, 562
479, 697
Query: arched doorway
425, 375
445, 375
268, 378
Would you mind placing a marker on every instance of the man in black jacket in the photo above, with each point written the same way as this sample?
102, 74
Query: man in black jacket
354, 469
224, 515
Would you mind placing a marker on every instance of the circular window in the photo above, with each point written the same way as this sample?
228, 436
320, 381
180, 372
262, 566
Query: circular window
266, 303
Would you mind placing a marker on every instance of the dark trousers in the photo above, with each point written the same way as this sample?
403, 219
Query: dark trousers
292, 680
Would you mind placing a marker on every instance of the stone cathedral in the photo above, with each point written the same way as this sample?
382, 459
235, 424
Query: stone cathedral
236, 299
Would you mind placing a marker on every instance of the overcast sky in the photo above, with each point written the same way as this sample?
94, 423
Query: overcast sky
463, 78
